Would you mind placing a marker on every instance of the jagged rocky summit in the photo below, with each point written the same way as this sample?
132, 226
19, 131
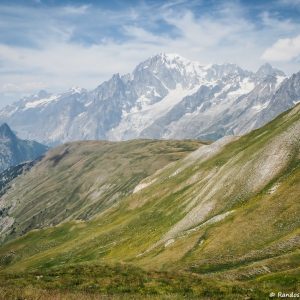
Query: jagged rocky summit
165, 97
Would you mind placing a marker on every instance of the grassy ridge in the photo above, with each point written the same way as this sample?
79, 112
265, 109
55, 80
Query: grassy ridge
79, 180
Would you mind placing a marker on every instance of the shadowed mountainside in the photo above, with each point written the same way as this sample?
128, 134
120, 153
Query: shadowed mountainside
14, 151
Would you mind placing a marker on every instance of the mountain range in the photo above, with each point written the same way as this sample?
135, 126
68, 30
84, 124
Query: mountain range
168, 219
165, 97
14, 151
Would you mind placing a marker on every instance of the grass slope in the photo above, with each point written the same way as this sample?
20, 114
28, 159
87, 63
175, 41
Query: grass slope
79, 180
220, 223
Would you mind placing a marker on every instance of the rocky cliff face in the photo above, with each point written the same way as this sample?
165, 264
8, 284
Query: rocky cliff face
14, 151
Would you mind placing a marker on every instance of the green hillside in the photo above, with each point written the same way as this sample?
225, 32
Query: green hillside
219, 223
78, 180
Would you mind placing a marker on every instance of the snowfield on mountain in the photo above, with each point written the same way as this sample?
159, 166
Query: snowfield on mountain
166, 96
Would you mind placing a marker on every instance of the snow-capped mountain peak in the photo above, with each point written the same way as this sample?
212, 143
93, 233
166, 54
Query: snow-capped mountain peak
169, 70
40, 102
267, 70
76, 90
166, 96
170, 61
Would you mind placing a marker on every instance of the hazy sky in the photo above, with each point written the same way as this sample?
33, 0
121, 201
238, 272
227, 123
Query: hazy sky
56, 44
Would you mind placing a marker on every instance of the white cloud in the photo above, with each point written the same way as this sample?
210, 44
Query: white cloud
60, 60
280, 25
21, 87
75, 10
283, 50
207, 31
293, 3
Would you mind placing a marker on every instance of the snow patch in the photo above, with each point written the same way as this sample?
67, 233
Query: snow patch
279, 80
137, 119
41, 102
296, 102
260, 107
246, 86
76, 90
